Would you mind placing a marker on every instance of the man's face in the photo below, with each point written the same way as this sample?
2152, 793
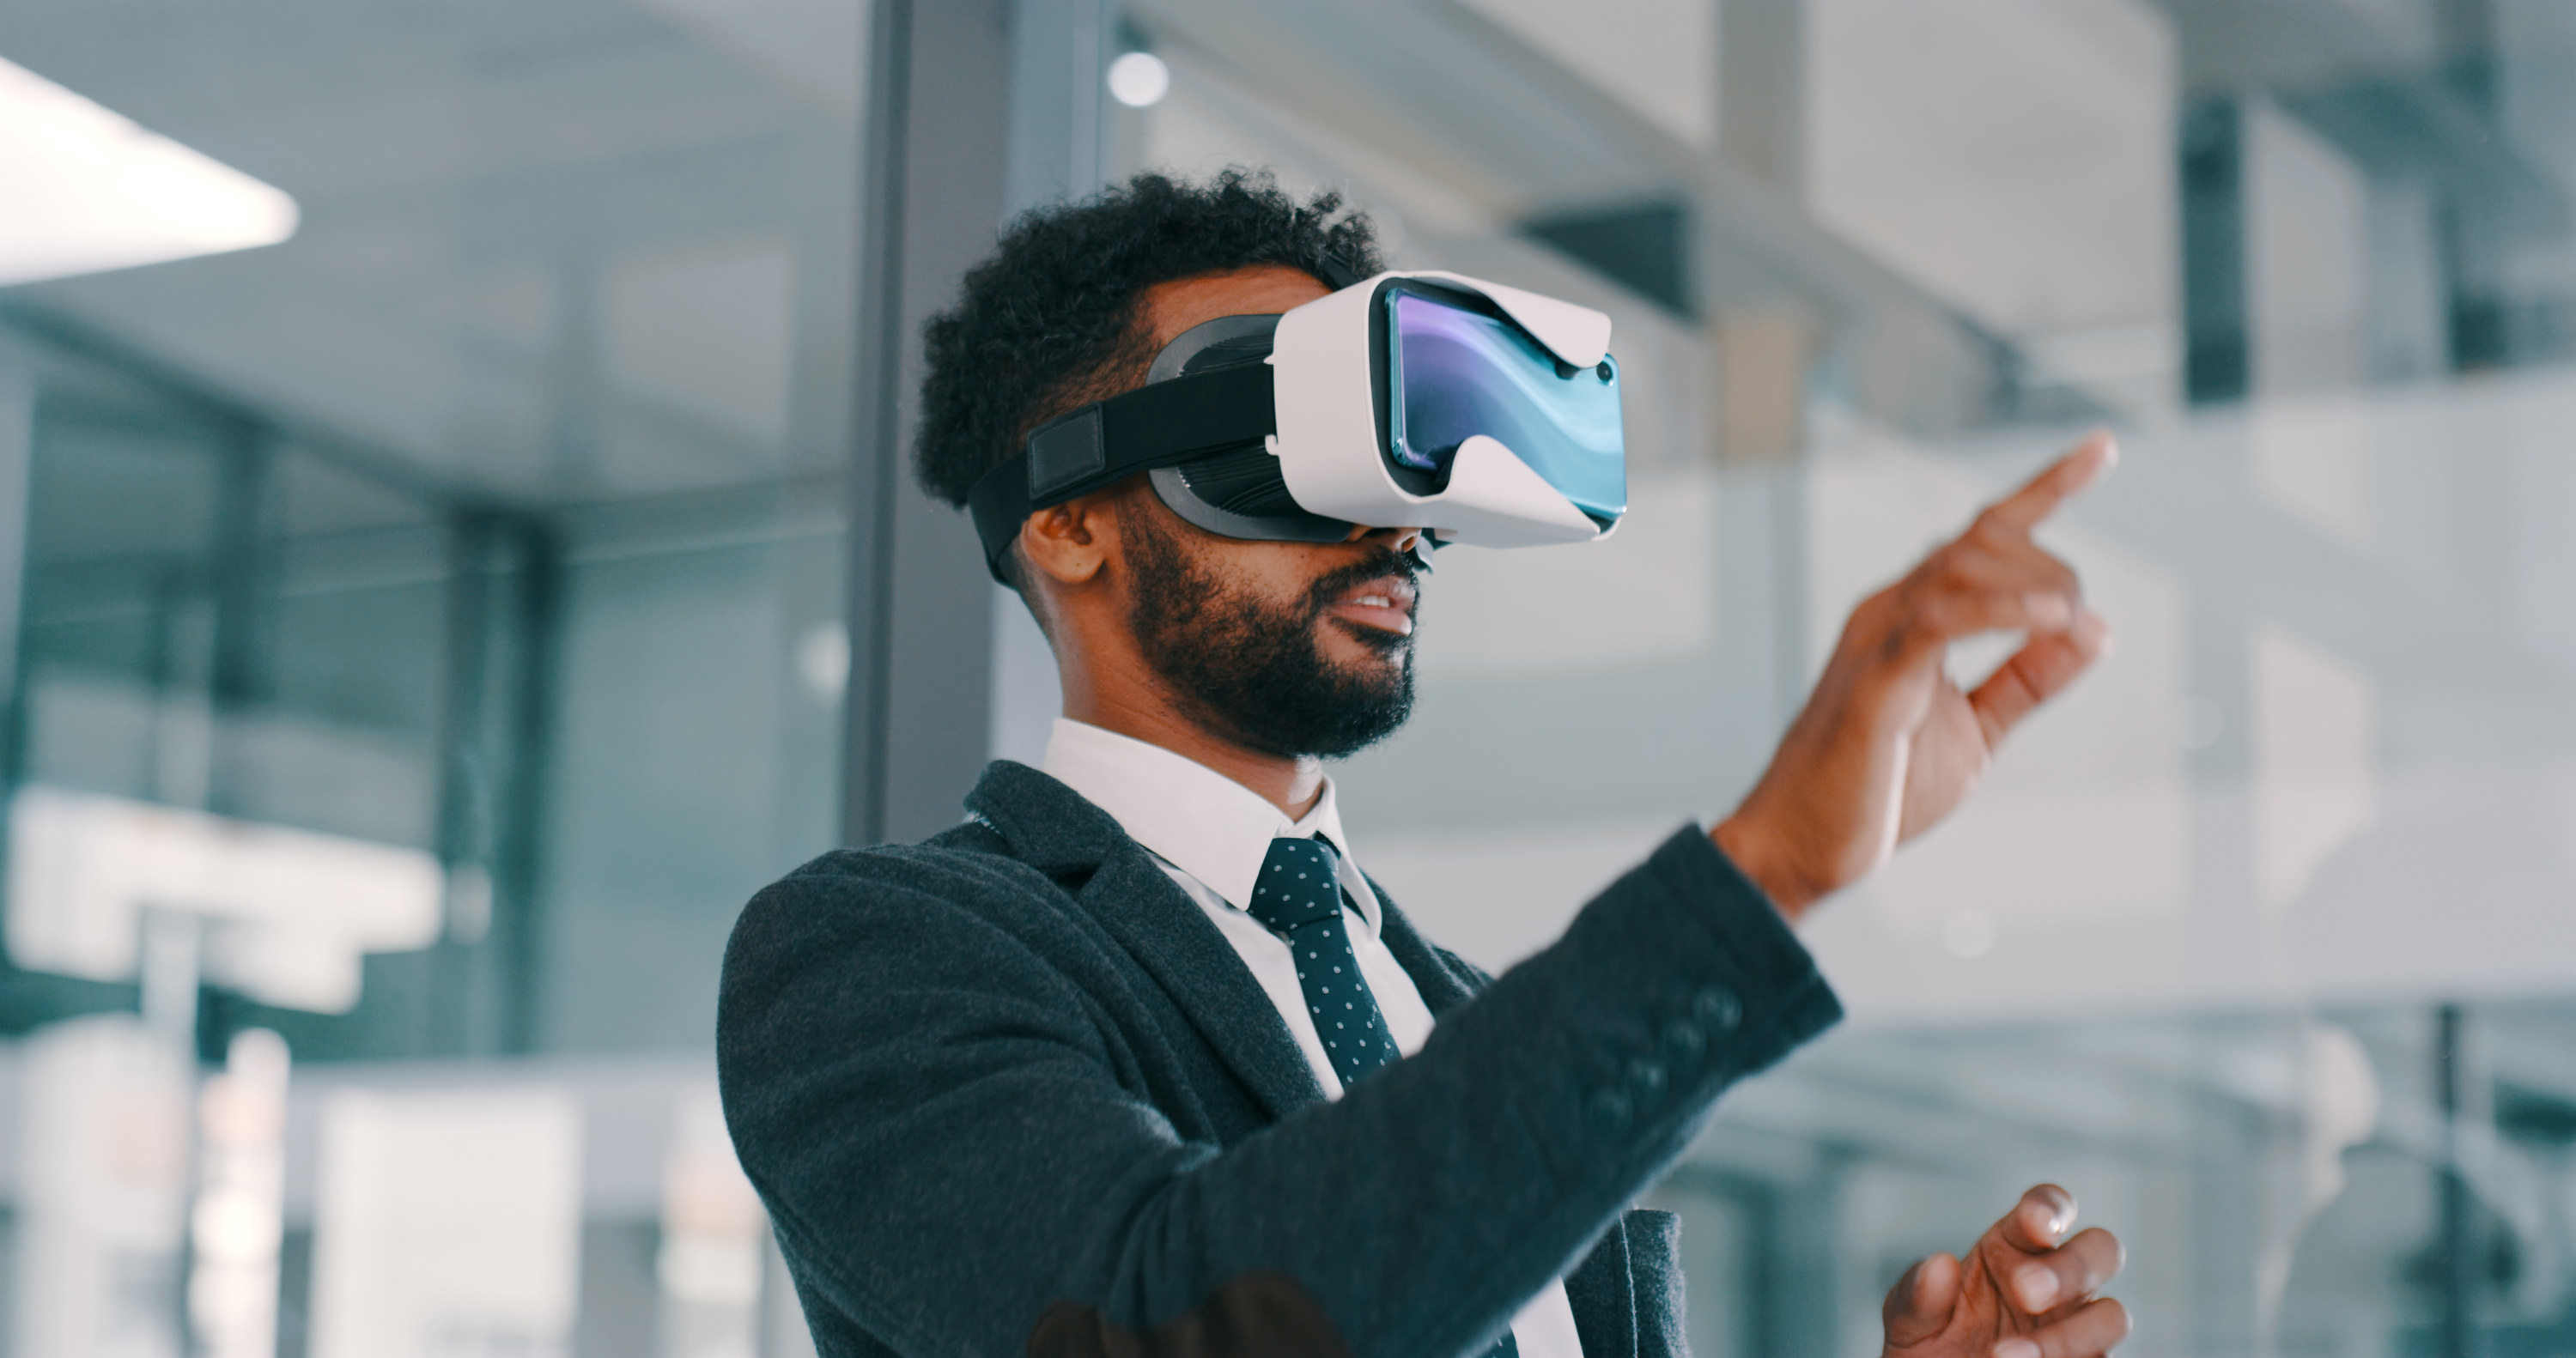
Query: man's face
1288, 653
1287, 648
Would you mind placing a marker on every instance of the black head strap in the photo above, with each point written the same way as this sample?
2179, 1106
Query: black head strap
1337, 271
1107, 441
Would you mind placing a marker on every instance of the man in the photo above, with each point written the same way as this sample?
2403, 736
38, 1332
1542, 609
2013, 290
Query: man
1113, 1067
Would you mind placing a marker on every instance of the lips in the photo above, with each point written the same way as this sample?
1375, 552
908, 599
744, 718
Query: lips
1384, 603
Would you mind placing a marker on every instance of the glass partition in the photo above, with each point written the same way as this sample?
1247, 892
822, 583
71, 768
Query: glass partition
2257, 940
430, 423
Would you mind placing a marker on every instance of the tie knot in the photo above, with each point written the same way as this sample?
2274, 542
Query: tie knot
1300, 883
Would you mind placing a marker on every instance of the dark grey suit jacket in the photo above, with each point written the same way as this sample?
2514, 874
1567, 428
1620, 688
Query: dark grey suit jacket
1010, 1091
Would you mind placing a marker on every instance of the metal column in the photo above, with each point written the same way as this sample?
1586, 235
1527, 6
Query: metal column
920, 604
2457, 1271
2218, 349
17, 463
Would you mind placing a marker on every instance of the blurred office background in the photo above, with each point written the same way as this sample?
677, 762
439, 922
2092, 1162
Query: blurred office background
453, 550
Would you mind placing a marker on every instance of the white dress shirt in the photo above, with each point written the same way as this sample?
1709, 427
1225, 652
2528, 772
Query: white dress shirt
1211, 834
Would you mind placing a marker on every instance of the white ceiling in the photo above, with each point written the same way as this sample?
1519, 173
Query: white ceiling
551, 248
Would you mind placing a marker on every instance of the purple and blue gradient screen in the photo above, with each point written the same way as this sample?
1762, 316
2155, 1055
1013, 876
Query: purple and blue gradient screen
1459, 373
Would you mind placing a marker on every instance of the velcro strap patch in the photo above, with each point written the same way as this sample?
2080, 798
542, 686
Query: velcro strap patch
1066, 452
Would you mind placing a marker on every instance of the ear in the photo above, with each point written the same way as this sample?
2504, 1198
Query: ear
1068, 543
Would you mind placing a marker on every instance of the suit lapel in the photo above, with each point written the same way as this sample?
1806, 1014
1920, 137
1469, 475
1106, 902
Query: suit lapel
1172, 938
1053, 829
1444, 986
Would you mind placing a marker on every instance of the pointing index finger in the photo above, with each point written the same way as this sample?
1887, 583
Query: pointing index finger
2063, 479
2039, 1221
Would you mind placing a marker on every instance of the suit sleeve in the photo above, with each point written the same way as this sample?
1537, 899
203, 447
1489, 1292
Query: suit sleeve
955, 1145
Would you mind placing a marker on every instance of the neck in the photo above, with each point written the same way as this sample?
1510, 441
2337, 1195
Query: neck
1293, 783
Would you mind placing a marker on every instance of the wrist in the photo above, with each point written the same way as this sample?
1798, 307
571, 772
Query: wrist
1757, 853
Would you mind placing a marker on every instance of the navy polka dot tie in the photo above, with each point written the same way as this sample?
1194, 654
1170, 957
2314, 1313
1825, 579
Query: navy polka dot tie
1299, 898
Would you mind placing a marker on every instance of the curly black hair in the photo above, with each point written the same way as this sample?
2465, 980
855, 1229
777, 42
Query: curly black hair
1048, 322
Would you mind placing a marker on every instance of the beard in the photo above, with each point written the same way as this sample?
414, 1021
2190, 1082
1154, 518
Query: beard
1254, 670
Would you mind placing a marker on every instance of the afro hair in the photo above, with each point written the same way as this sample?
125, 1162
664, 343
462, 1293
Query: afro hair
1048, 322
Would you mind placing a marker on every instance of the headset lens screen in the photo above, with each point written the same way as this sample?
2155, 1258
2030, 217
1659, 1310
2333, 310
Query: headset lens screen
1457, 373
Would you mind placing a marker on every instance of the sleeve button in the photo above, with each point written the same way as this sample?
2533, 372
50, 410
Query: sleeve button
1610, 1109
1682, 1040
1646, 1076
1717, 1009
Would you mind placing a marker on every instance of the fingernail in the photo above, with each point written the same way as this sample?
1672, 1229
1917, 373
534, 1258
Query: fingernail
2016, 1348
2049, 610
2058, 1224
2038, 1287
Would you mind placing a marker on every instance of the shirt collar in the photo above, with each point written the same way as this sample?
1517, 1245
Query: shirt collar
1198, 820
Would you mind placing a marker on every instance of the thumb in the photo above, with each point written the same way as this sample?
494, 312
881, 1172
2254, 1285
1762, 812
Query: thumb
1919, 1306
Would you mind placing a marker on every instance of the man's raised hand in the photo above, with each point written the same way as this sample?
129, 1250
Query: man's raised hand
1886, 745
2017, 1294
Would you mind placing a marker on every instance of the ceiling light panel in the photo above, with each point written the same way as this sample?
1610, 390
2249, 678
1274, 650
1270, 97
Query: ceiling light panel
85, 189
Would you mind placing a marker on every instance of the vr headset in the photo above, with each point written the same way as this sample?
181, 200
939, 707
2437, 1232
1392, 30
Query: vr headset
1474, 412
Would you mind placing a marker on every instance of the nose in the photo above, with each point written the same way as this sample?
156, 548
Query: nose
1413, 542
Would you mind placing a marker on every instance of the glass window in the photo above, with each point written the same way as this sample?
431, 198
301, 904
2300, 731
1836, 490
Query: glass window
2254, 939
431, 423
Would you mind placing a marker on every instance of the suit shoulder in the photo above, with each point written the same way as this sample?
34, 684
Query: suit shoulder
965, 875
953, 885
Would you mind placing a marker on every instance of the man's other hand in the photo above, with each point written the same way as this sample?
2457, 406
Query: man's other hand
1886, 746
2018, 1294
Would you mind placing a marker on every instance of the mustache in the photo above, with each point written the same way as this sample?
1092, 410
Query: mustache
1383, 563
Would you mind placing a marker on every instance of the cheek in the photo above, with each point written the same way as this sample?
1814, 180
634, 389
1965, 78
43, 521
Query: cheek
1274, 579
